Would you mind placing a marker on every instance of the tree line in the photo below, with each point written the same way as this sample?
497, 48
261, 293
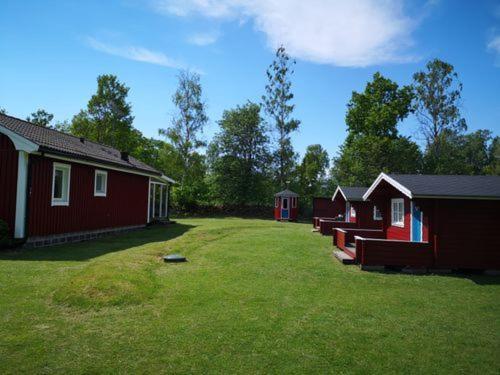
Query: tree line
252, 156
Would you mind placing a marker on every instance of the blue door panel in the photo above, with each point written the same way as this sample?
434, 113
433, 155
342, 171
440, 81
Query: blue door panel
416, 224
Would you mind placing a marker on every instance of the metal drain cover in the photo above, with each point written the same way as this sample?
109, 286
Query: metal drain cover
174, 258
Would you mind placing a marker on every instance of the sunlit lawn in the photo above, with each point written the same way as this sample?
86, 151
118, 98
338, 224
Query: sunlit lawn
255, 297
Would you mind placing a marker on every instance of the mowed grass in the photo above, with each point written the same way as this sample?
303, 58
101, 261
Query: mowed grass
255, 297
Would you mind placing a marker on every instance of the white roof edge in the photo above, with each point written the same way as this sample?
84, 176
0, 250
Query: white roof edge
341, 192
383, 177
20, 143
168, 179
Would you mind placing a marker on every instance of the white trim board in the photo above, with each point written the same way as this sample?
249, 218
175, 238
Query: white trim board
21, 195
20, 143
341, 192
383, 177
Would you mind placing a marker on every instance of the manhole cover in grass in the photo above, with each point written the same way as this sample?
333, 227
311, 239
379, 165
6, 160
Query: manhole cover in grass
174, 258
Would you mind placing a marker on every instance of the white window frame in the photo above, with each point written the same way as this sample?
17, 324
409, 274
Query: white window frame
100, 193
66, 168
397, 202
375, 211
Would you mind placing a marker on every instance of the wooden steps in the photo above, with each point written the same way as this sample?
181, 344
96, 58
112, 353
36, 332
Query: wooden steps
344, 258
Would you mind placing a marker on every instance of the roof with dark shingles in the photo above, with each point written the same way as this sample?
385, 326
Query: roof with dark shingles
450, 186
286, 193
353, 193
51, 140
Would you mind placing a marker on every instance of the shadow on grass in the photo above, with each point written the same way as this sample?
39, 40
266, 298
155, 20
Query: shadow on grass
83, 251
476, 276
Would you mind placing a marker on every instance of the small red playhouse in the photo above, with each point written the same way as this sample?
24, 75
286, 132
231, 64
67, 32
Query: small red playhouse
285, 205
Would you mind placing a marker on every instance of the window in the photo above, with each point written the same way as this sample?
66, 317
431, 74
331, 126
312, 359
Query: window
276, 202
285, 203
397, 212
377, 215
100, 183
294, 202
60, 184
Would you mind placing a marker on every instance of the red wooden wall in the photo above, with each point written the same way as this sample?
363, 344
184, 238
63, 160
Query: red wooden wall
324, 207
8, 181
364, 215
126, 202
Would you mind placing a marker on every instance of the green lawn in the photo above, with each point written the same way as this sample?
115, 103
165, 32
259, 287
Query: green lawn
255, 297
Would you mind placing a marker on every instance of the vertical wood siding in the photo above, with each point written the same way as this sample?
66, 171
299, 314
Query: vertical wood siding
324, 207
126, 202
8, 181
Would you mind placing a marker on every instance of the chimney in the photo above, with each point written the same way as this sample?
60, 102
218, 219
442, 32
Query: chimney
82, 139
124, 155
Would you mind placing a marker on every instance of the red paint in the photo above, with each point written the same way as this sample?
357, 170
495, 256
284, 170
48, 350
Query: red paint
292, 208
457, 233
126, 202
325, 207
8, 182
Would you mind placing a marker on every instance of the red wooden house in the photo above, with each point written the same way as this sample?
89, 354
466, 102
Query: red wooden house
286, 205
354, 211
430, 221
55, 187
325, 208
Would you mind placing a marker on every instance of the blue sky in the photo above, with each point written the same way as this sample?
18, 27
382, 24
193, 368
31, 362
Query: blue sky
52, 52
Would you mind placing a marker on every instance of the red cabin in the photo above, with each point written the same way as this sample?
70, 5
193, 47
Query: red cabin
58, 188
430, 221
353, 211
285, 205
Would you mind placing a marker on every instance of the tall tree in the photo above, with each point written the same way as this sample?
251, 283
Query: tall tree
312, 171
437, 96
239, 157
188, 122
41, 118
373, 144
108, 117
494, 157
3, 111
277, 105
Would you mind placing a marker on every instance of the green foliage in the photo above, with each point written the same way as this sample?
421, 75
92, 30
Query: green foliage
469, 154
276, 103
437, 98
108, 119
360, 162
312, 174
41, 118
239, 158
3, 111
494, 157
373, 144
377, 110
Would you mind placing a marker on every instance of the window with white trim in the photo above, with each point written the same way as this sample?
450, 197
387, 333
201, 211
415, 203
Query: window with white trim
377, 215
60, 184
353, 211
100, 183
397, 212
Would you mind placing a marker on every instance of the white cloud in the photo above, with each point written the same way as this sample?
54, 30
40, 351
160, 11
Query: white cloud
494, 46
203, 39
341, 32
135, 53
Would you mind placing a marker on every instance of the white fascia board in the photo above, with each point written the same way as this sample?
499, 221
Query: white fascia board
20, 143
167, 179
341, 192
383, 177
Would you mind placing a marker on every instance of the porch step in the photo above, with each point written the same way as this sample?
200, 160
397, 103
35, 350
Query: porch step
350, 247
343, 257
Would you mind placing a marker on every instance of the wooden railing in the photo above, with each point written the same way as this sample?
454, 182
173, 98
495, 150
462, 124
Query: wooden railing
380, 252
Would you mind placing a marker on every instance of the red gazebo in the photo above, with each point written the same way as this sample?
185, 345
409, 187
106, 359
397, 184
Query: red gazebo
285, 205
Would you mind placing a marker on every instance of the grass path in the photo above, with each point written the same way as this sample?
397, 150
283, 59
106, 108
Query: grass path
255, 297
